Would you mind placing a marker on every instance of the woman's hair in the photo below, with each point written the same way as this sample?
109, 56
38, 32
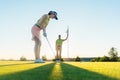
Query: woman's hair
54, 13
51, 12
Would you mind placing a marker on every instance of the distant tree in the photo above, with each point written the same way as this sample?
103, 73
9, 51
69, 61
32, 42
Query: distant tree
77, 58
53, 59
119, 59
104, 59
113, 54
23, 58
97, 59
62, 59
93, 60
44, 58
100, 59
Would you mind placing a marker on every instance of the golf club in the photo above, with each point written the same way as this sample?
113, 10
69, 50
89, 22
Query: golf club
50, 46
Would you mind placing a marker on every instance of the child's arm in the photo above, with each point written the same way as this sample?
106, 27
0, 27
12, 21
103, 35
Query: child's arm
66, 37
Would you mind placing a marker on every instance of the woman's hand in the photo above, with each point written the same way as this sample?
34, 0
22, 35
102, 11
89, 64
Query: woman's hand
44, 34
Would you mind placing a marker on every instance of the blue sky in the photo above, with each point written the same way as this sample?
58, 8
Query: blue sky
94, 27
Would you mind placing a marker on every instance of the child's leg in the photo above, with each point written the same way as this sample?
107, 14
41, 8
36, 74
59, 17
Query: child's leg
60, 53
56, 53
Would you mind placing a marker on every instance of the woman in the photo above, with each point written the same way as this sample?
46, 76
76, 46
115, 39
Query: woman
36, 29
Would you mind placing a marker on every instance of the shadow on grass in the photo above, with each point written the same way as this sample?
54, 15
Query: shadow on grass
65, 71
16, 64
56, 73
74, 73
39, 73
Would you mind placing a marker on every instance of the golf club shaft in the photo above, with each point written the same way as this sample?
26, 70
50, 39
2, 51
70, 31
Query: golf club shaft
50, 46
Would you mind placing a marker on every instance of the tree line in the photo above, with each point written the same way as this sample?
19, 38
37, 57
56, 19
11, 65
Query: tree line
112, 56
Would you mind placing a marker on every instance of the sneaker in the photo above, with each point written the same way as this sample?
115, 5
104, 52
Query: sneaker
39, 61
42, 61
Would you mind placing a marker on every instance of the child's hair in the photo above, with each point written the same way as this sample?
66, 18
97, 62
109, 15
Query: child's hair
59, 36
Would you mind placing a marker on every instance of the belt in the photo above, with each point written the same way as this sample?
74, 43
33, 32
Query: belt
38, 26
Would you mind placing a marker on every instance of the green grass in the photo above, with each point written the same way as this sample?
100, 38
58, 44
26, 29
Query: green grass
27, 70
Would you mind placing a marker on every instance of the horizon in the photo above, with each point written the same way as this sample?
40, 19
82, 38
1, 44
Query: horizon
94, 27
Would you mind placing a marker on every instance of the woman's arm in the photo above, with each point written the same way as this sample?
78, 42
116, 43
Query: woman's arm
42, 26
42, 22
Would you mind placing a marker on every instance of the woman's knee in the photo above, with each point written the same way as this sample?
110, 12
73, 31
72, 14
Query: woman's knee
37, 41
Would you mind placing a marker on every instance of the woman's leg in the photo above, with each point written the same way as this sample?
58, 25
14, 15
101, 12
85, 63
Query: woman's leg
37, 48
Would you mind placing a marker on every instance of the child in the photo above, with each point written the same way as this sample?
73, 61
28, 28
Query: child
59, 42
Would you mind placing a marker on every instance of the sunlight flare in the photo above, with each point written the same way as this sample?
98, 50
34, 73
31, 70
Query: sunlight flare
56, 73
